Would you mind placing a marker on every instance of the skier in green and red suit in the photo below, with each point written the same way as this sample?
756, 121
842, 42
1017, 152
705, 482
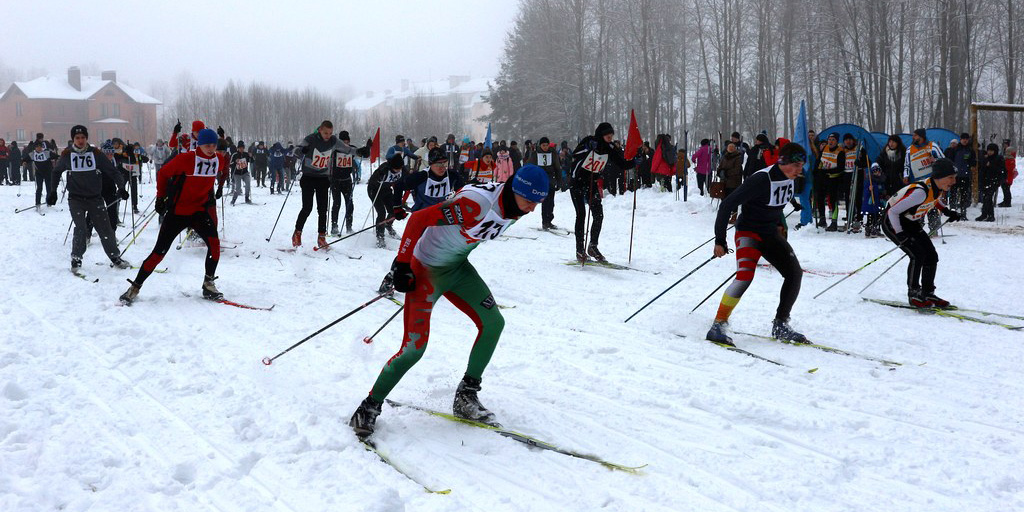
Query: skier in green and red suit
433, 262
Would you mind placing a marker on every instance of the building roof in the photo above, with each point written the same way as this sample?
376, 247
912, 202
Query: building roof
440, 87
47, 87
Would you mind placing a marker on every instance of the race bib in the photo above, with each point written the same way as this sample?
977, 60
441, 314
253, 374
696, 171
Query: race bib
595, 163
241, 164
343, 161
436, 189
544, 159
463, 157
781, 193
40, 157
489, 228
320, 159
81, 162
206, 167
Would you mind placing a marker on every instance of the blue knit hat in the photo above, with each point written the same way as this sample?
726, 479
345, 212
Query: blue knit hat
206, 136
531, 182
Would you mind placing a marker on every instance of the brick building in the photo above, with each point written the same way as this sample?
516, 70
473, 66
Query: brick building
53, 105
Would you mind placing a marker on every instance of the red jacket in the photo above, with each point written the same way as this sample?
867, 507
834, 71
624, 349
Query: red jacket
187, 181
1011, 168
771, 157
659, 165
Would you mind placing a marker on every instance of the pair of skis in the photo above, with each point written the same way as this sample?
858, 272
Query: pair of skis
818, 346
955, 312
497, 429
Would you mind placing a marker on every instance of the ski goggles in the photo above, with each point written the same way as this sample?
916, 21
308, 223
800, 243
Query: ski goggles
796, 158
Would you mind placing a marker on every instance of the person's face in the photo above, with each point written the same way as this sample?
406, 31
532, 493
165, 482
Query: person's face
917, 139
438, 168
811, 135
544, 146
965, 142
118, 146
208, 149
849, 143
792, 170
945, 183
525, 204
891, 144
488, 159
833, 142
731, 147
325, 132
402, 144
80, 140
431, 145
608, 137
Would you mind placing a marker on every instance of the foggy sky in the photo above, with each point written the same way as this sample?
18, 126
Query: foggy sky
368, 45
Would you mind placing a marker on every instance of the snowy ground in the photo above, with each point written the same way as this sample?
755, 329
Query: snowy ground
166, 406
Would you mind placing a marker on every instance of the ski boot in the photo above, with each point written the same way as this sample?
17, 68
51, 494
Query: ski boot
855, 227
935, 301
467, 405
135, 210
334, 229
596, 254
719, 333
581, 256
393, 234
297, 238
210, 291
321, 241
248, 201
348, 226
782, 331
364, 420
76, 263
387, 285
128, 297
380, 242
917, 298
834, 226
121, 264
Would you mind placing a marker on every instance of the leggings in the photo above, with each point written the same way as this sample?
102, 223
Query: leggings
700, 182
276, 177
133, 184
924, 260
204, 223
579, 193
318, 186
750, 247
43, 178
463, 287
341, 188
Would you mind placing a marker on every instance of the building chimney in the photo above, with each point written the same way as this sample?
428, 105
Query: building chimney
75, 78
405, 84
109, 75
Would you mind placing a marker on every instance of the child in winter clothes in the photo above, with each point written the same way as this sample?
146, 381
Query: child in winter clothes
873, 200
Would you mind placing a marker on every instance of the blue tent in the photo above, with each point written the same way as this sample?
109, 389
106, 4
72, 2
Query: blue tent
907, 139
873, 147
941, 136
881, 138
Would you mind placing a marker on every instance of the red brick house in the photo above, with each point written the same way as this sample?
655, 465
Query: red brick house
53, 105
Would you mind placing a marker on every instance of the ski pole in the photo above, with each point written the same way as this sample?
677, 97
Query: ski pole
142, 221
882, 274
669, 288
144, 224
25, 209
369, 339
286, 196
268, 360
886, 253
713, 238
354, 233
701, 303
72, 223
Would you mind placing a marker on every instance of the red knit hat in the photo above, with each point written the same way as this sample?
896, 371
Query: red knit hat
197, 125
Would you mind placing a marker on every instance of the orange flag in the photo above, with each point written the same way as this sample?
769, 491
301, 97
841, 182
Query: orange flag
375, 147
633, 138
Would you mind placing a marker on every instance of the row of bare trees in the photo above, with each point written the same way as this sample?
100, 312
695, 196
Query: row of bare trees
710, 66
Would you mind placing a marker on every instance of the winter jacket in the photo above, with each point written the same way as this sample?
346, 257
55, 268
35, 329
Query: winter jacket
427, 188
503, 167
86, 169
991, 172
516, 156
874, 196
1011, 166
891, 162
550, 162
15, 154
963, 159
316, 153
380, 186
590, 158
661, 163
187, 181
730, 169
277, 154
239, 163
756, 158
702, 159
259, 155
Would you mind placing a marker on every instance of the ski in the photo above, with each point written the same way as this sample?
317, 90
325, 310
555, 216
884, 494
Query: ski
522, 438
824, 348
157, 270
987, 313
948, 312
607, 264
371, 446
520, 237
235, 304
78, 273
741, 351
557, 231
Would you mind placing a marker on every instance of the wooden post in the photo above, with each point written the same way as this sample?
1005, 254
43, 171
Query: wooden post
974, 170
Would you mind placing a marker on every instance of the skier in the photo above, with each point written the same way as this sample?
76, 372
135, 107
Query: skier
828, 181
901, 223
380, 189
40, 160
127, 162
590, 158
85, 165
432, 262
239, 165
315, 153
276, 161
480, 170
429, 186
341, 179
185, 196
760, 231
181, 142
546, 157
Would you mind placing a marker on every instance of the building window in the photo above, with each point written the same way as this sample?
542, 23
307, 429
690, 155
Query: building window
115, 110
103, 110
17, 108
21, 134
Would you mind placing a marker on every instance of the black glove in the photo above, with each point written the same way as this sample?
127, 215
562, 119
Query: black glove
399, 212
220, 132
402, 277
902, 237
953, 216
160, 206
796, 205
220, 192
177, 127
124, 194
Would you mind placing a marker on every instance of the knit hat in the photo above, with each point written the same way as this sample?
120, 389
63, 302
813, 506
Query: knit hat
399, 138
942, 168
116, 141
848, 136
436, 155
833, 135
761, 138
241, 144
197, 125
79, 129
205, 136
965, 135
921, 132
792, 153
343, 135
544, 140
531, 182
396, 161
604, 129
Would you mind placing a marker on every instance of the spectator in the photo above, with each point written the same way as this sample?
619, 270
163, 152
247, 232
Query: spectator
516, 155
4, 155
730, 171
756, 156
14, 159
963, 157
663, 160
702, 161
991, 174
1010, 154
891, 161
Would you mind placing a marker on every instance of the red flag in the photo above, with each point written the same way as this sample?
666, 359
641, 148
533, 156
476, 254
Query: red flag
633, 139
375, 147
